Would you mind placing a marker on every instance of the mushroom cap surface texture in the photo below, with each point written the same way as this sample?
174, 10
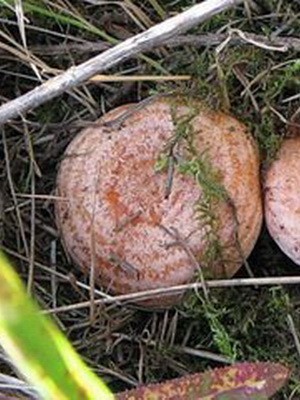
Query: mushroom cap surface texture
282, 198
156, 191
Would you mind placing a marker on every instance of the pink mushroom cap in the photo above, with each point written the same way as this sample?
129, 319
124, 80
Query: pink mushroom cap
282, 199
140, 228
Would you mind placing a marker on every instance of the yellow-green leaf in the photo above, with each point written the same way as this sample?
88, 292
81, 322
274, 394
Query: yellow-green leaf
39, 350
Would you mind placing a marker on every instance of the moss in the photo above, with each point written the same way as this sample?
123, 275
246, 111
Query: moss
200, 168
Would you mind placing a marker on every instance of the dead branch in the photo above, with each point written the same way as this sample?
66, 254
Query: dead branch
151, 38
149, 294
290, 43
214, 39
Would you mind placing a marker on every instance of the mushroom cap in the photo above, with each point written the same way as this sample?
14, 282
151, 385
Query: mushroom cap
282, 201
118, 217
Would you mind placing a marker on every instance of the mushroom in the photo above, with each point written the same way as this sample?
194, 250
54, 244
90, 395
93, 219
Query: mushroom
281, 197
158, 193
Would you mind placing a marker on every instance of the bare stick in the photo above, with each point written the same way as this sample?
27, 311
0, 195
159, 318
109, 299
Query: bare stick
279, 43
294, 332
182, 243
221, 283
145, 41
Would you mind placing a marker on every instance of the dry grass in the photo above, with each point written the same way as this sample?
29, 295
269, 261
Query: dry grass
258, 82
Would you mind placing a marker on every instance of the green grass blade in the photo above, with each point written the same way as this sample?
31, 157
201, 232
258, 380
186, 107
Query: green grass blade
64, 17
38, 349
67, 18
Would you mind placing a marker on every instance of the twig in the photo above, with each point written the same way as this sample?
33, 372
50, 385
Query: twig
117, 122
124, 265
257, 43
92, 274
205, 40
34, 169
202, 354
139, 78
144, 41
280, 43
53, 276
178, 241
170, 174
30, 280
127, 220
221, 283
8, 382
294, 333
65, 48
291, 98
13, 194
245, 82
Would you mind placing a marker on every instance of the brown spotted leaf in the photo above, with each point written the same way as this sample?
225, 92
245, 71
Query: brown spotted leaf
241, 381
